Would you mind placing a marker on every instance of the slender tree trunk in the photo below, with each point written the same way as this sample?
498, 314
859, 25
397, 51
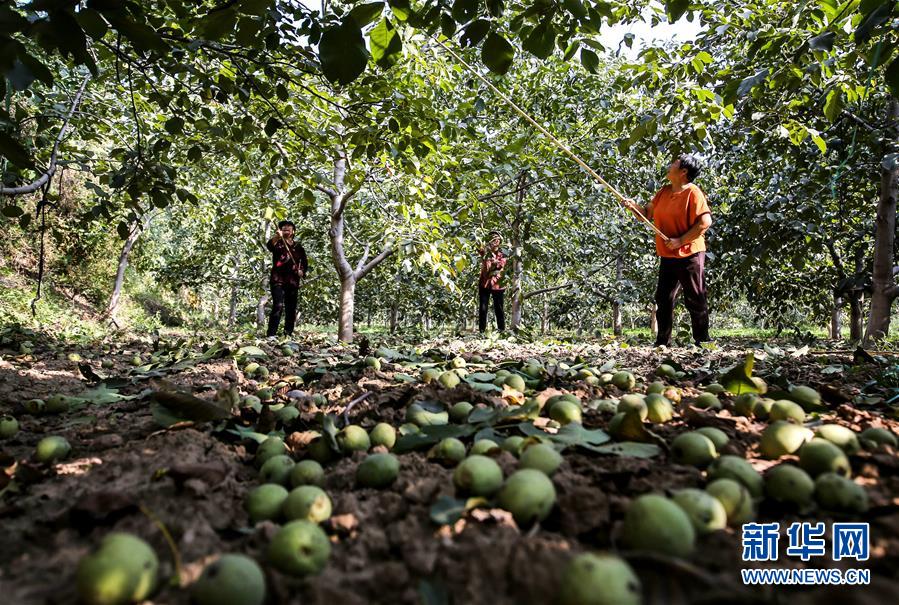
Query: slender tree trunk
113, 306
616, 306
347, 307
884, 290
394, 315
235, 289
653, 321
348, 276
836, 315
856, 316
544, 319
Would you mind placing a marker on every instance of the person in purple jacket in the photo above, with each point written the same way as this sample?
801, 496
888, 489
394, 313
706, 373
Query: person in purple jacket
289, 265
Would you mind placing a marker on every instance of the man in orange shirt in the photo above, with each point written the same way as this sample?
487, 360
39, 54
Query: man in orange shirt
680, 211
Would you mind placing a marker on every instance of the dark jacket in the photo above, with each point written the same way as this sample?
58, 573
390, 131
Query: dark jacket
287, 262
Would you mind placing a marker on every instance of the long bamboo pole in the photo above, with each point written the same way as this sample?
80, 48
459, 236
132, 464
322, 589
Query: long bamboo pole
552, 138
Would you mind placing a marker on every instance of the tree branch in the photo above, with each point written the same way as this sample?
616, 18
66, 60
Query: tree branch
387, 251
51, 169
568, 284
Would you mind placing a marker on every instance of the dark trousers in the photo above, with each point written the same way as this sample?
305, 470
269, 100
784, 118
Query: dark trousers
284, 298
484, 295
674, 274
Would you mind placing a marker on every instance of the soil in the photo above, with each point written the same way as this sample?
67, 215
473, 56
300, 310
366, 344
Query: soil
182, 488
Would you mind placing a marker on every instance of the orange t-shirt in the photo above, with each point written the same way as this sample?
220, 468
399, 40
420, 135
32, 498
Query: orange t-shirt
674, 214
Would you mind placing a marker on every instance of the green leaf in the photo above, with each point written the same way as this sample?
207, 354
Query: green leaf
92, 22
174, 125
589, 60
481, 377
12, 211
142, 37
217, 25
363, 14
817, 140
250, 351
676, 9
876, 17
342, 52
475, 32
464, 10
123, 230
749, 83
574, 433
627, 449
195, 154
103, 395
891, 77
495, 7
429, 435
738, 380
576, 8
447, 510
833, 106
497, 53
541, 40
823, 42
13, 151
272, 126
385, 44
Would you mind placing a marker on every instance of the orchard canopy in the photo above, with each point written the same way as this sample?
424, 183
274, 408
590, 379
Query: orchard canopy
151, 153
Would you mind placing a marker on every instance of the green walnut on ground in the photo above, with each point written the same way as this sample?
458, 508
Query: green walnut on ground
271, 447
791, 485
307, 472
482, 447
277, 469
874, 437
839, 494
564, 412
542, 457
307, 502
383, 434
821, 456
633, 403
738, 469
624, 380
50, 449
378, 471
372, 362
717, 436
9, 426
122, 570
299, 549
842, 437
478, 475
265, 502
735, 499
782, 437
599, 579
353, 438
449, 450
694, 449
656, 524
460, 411
230, 580
529, 495
705, 511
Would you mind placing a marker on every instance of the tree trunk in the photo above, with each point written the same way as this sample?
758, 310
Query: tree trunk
263, 300
394, 315
113, 306
884, 290
347, 306
836, 324
348, 276
544, 319
653, 322
616, 306
856, 316
232, 307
